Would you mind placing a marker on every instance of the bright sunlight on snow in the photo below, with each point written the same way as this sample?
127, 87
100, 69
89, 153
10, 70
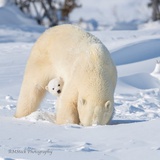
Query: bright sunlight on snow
134, 43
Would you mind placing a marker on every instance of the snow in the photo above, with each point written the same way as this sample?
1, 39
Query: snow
121, 14
134, 130
48, 141
140, 51
9, 11
156, 71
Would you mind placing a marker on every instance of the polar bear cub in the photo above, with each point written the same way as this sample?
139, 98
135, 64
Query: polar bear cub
55, 86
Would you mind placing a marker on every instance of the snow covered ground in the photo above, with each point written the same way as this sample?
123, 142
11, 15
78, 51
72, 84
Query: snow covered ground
134, 130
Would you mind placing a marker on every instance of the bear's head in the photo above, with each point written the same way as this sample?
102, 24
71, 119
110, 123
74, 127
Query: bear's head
96, 100
95, 114
55, 86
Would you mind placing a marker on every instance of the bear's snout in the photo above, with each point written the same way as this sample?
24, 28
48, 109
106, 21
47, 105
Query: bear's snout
59, 91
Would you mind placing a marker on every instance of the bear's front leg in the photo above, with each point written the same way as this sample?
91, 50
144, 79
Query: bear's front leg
67, 110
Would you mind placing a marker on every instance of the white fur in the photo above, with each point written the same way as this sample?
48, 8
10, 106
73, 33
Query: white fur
84, 64
55, 86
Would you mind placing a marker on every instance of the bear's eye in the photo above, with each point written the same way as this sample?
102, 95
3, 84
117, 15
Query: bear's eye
52, 88
58, 84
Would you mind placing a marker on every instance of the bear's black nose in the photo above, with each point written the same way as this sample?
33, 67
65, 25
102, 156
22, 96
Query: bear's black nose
59, 91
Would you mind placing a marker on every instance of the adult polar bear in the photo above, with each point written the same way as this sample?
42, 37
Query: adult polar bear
84, 64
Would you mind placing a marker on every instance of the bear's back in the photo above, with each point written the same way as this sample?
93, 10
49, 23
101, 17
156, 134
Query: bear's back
69, 38
68, 46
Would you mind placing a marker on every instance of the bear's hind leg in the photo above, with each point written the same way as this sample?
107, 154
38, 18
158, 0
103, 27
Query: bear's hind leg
29, 100
32, 91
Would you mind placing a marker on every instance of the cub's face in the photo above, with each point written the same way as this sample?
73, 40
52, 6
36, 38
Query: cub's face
55, 86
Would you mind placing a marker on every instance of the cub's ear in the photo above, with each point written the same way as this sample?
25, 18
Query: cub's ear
46, 88
61, 79
82, 101
108, 105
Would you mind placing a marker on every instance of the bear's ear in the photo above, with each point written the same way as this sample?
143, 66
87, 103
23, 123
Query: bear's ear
46, 88
108, 105
82, 101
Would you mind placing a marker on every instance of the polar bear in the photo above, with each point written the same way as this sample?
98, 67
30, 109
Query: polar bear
85, 65
55, 86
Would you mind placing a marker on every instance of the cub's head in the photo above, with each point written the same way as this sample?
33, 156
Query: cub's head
55, 86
